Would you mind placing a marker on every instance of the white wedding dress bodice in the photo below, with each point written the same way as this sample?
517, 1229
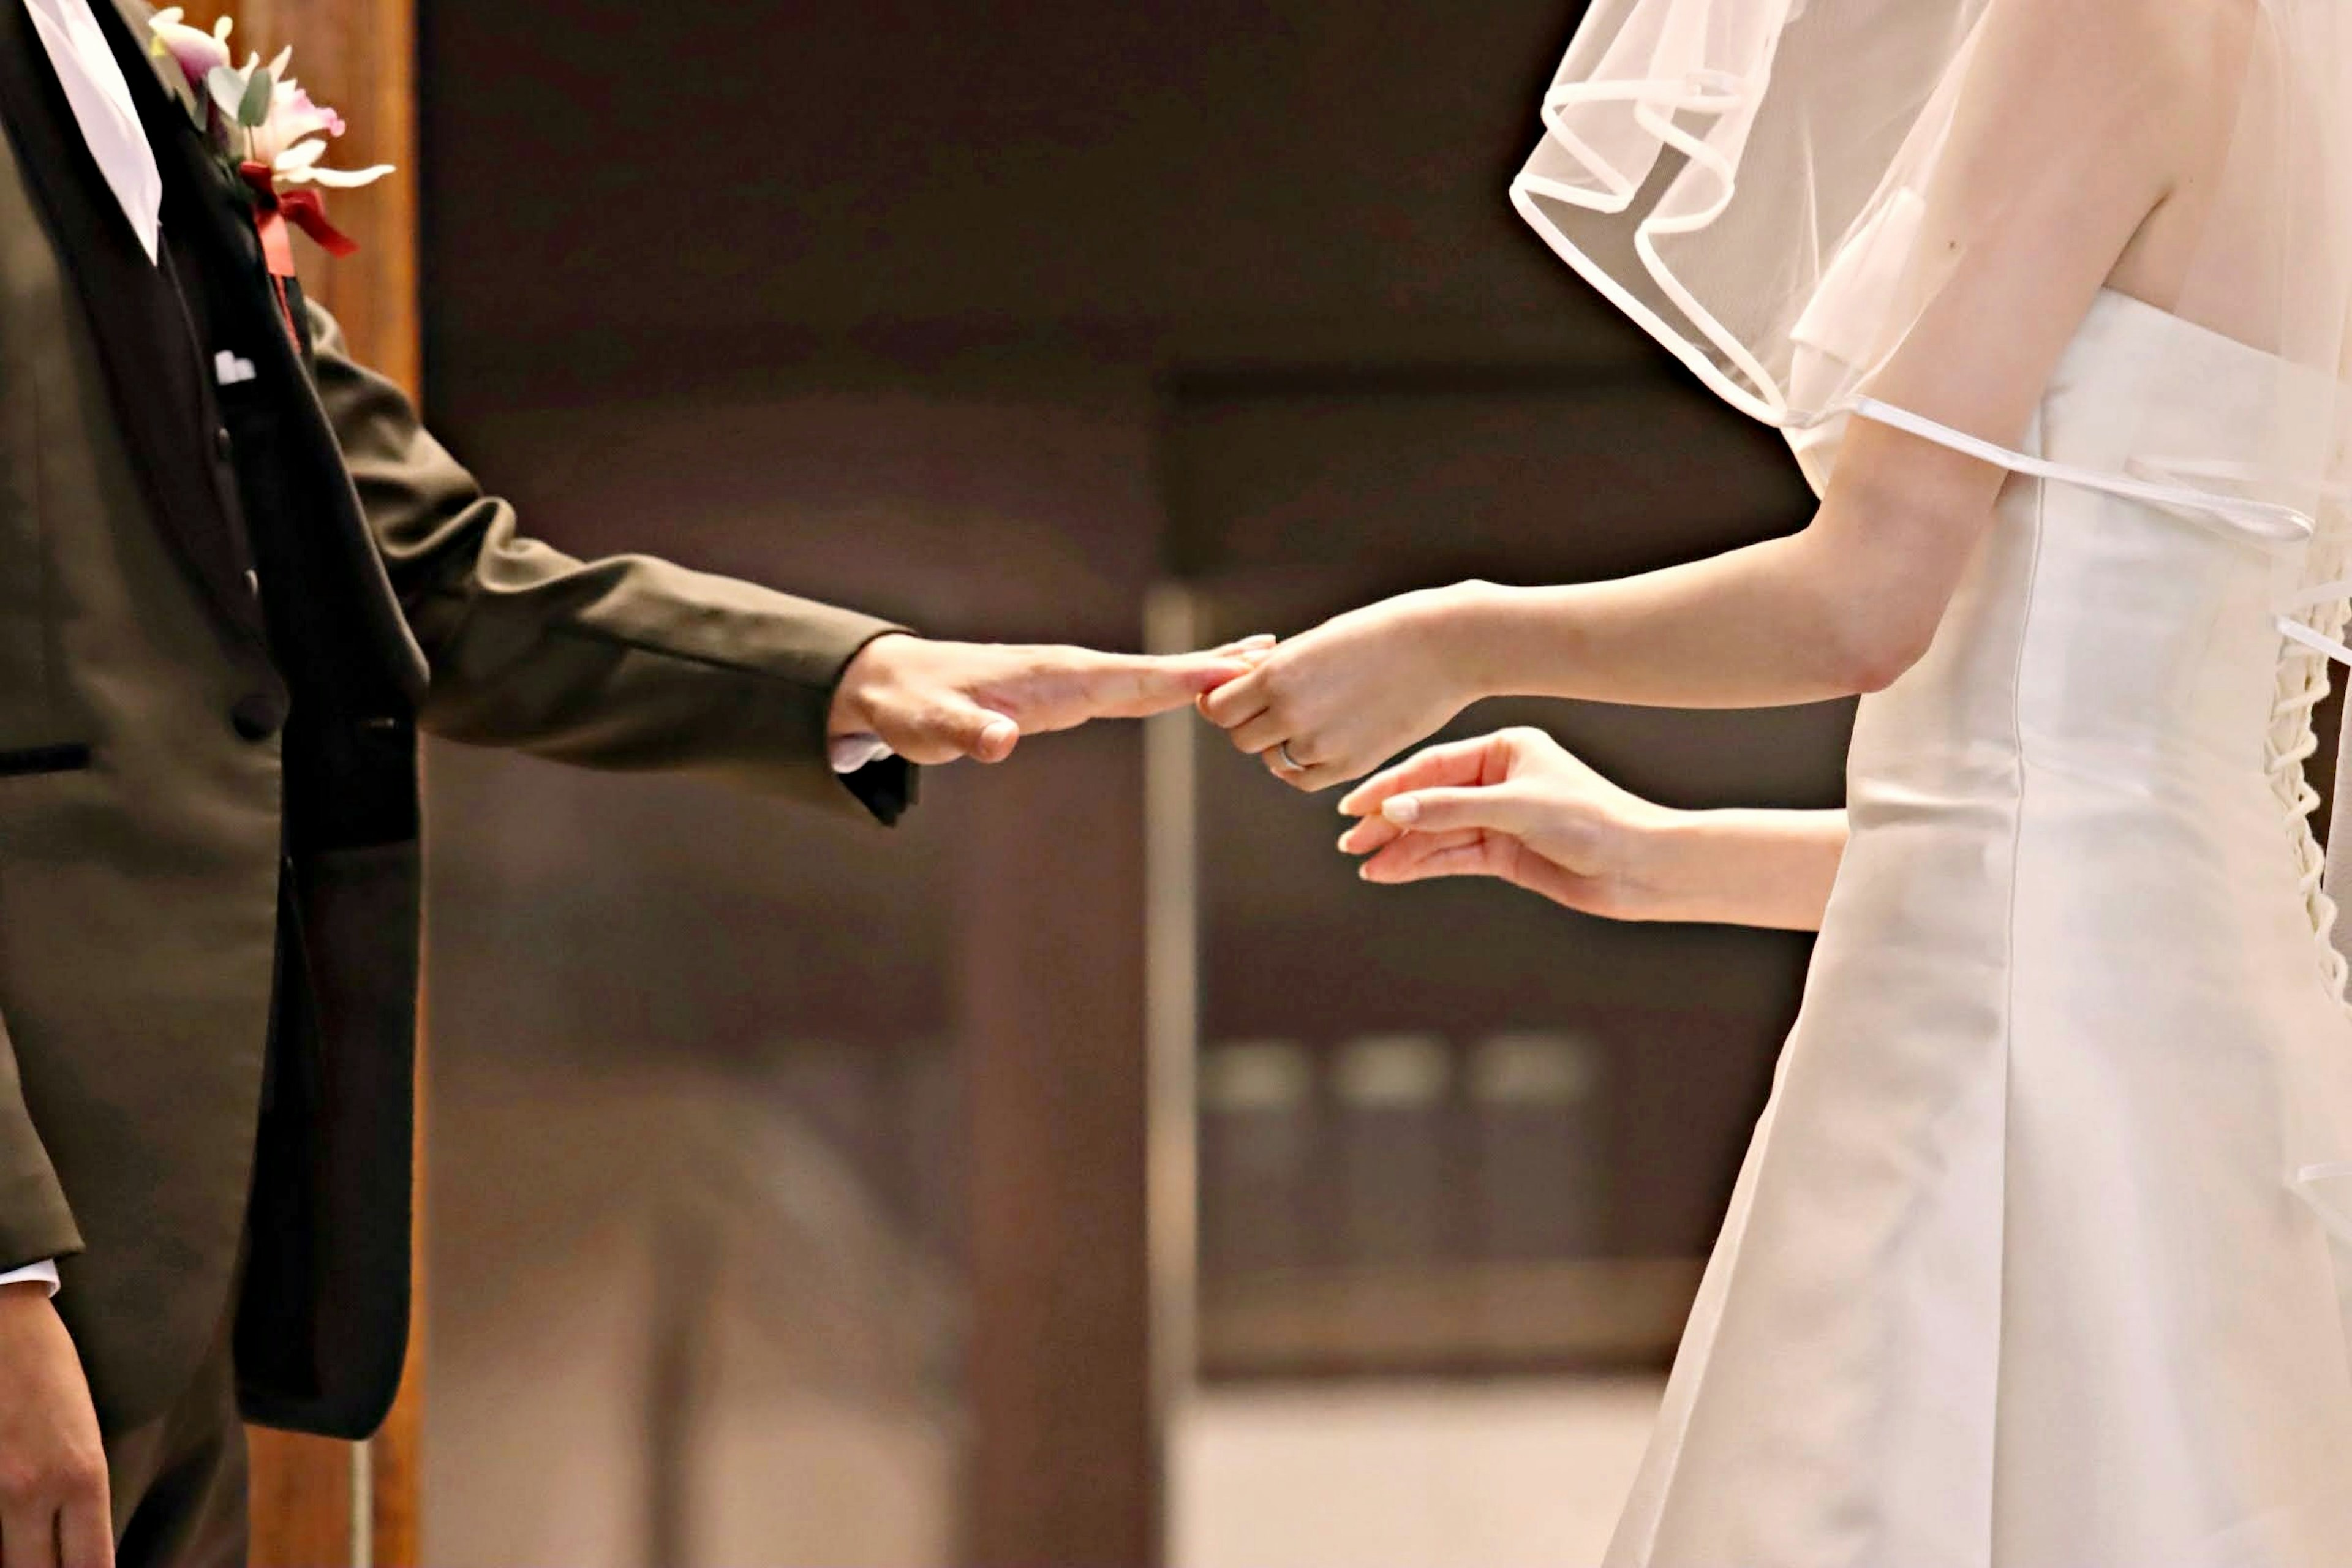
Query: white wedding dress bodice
2038, 1257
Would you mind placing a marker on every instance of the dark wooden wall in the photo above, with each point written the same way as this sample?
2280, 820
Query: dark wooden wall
896, 303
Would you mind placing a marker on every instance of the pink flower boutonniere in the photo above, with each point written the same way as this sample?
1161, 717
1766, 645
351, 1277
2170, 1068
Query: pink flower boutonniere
267, 134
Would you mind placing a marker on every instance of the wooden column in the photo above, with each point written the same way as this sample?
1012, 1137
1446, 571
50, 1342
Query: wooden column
318, 1504
1050, 1019
1065, 1450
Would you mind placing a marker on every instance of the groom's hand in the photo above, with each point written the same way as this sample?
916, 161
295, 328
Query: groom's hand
942, 701
53, 1501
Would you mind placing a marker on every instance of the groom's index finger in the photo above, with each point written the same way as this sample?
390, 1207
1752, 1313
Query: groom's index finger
1136, 686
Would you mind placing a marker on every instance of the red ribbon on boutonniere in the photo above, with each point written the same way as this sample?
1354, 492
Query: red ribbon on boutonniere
263, 128
272, 210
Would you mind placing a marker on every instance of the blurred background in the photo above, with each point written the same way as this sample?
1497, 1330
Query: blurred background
1090, 1171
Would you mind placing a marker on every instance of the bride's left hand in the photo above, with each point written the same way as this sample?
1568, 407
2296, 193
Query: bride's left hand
1332, 704
1518, 806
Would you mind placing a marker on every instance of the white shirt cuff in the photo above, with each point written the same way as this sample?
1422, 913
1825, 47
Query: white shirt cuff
851, 753
45, 1273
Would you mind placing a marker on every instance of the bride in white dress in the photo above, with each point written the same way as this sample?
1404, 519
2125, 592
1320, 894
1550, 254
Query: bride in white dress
2039, 1256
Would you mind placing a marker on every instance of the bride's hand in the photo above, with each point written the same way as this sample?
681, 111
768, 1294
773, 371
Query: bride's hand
1332, 704
1518, 807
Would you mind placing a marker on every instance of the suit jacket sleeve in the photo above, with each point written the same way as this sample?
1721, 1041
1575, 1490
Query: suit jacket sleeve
625, 663
34, 1221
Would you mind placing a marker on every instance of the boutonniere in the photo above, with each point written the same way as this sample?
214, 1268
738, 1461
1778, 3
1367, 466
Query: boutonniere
269, 137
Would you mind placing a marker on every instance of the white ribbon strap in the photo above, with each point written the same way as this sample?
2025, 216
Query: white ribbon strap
2265, 520
2297, 632
2313, 1182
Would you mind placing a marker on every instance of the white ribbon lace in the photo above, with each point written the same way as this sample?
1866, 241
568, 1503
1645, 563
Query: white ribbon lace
2268, 522
2313, 640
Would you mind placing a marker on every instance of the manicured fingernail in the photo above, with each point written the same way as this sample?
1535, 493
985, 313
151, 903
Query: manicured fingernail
1404, 808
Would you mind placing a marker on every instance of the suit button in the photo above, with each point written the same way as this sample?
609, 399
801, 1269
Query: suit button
224, 444
257, 716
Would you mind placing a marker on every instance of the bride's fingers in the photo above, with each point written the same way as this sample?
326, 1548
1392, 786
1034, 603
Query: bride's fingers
1500, 807
1237, 702
1454, 763
1369, 833
1416, 856
1265, 733
1420, 856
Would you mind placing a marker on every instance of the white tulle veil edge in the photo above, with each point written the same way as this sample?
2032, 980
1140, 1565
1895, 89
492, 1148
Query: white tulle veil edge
1742, 178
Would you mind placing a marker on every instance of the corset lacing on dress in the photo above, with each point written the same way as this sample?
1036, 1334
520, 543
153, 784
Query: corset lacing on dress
2313, 626
2314, 637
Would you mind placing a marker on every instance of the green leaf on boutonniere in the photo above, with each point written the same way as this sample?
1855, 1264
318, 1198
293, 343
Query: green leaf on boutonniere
257, 94
228, 90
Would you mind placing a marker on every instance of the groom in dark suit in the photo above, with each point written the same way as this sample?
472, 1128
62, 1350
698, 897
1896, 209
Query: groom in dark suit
236, 578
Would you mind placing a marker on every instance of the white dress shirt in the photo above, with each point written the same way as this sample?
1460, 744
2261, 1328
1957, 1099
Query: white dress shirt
101, 104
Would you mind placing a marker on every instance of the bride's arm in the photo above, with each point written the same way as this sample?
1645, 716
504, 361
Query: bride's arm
1516, 806
2068, 138
2074, 126
1841, 608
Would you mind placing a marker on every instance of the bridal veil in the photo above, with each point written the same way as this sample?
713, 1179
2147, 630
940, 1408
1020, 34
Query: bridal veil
1764, 186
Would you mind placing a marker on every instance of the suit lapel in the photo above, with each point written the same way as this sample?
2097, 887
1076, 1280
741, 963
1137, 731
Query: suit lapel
221, 224
196, 194
213, 217
154, 367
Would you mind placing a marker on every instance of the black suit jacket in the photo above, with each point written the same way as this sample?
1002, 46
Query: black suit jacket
247, 599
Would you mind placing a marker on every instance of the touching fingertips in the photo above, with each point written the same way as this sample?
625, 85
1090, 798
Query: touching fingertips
1224, 706
1219, 675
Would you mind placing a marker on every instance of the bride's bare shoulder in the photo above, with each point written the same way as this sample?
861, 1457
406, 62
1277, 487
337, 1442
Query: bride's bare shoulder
2116, 48
2138, 82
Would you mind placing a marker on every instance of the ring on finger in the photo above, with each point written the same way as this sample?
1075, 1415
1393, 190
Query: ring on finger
1282, 750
